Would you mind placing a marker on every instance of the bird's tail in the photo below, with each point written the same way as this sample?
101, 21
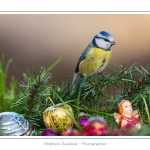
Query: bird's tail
76, 83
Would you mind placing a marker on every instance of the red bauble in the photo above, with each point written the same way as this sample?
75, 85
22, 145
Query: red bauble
95, 126
70, 132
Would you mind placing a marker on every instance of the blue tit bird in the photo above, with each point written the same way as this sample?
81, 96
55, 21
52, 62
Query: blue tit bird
96, 55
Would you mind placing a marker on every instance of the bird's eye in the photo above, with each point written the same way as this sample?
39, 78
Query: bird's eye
106, 40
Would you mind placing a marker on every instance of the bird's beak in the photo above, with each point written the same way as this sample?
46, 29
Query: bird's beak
113, 43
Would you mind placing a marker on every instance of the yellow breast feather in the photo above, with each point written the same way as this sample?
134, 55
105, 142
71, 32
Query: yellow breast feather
95, 61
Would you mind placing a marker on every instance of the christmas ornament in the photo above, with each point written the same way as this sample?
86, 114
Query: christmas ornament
70, 132
82, 119
95, 126
13, 124
49, 132
58, 117
127, 117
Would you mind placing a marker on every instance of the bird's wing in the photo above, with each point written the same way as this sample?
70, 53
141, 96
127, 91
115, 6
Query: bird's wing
82, 57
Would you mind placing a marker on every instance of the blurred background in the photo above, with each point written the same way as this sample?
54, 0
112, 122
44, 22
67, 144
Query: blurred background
36, 40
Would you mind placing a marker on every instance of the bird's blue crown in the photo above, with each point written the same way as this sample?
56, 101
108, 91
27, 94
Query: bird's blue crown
104, 33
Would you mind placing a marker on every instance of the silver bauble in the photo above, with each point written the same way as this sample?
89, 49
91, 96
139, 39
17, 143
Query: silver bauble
13, 124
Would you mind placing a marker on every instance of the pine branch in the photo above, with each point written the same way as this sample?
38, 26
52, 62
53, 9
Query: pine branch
94, 97
130, 82
32, 100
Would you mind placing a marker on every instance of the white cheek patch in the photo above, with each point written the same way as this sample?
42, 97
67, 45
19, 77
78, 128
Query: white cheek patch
111, 39
100, 43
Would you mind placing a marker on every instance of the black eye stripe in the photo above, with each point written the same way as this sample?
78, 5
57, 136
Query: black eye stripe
106, 40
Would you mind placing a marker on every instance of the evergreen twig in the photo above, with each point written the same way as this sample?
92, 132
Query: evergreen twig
94, 97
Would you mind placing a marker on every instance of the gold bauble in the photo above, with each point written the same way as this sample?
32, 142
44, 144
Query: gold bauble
58, 117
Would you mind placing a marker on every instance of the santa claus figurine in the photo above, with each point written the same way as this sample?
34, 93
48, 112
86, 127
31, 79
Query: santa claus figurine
127, 116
